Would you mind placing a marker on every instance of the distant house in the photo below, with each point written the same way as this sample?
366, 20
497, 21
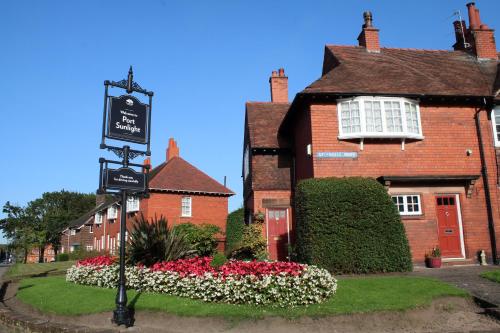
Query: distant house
178, 191
34, 255
425, 123
79, 233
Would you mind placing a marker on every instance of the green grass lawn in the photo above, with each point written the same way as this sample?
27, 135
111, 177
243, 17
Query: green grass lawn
492, 275
24, 270
364, 294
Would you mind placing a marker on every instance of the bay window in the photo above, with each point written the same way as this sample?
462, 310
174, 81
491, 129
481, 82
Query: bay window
379, 117
495, 121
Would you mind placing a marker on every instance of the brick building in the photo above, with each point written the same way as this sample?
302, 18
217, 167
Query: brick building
422, 122
177, 190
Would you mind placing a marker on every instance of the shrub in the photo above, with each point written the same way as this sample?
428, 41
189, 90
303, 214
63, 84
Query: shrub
62, 257
261, 283
235, 224
218, 260
349, 225
253, 245
201, 237
153, 241
80, 254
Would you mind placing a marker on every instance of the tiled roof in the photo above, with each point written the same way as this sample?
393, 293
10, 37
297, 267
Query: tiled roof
353, 70
264, 120
85, 218
180, 176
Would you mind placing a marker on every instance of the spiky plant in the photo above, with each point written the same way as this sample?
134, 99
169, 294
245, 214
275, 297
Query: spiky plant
153, 241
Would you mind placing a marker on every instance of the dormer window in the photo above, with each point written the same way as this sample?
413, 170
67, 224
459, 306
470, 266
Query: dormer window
112, 212
132, 204
379, 117
98, 218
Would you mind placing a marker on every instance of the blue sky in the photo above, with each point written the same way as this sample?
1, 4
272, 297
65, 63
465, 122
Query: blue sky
203, 60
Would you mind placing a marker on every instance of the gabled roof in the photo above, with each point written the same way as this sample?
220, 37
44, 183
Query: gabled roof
177, 175
353, 70
264, 119
87, 217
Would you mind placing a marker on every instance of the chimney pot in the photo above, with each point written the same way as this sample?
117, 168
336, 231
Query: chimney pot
367, 16
281, 72
471, 8
274, 73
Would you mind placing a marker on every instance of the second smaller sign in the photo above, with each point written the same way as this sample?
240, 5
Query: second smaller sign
125, 179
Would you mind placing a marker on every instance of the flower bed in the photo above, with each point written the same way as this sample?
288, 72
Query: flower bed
259, 283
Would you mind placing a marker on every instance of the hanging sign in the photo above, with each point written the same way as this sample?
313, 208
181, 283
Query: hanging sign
125, 179
127, 119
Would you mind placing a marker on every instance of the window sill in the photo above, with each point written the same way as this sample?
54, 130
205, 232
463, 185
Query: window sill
381, 136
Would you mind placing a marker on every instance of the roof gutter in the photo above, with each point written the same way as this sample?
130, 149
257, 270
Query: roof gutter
487, 193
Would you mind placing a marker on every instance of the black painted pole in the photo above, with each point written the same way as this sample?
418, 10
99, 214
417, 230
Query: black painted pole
121, 315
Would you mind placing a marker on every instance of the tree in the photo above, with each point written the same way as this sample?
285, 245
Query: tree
17, 228
42, 221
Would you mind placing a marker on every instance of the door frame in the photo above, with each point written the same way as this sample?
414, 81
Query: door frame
287, 227
458, 207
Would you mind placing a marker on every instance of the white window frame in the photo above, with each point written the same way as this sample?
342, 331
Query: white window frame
132, 204
91, 229
98, 218
186, 206
405, 133
405, 203
112, 212
72, 232
246, 162
494, 125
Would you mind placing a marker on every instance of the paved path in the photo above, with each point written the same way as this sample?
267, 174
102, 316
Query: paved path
466, 277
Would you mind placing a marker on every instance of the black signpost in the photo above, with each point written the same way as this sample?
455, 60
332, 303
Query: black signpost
125, 118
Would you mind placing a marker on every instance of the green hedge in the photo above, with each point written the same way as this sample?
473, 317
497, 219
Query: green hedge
349, 225
235, 223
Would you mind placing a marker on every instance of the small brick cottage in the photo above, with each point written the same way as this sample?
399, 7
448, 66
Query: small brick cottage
178, 191
425, 123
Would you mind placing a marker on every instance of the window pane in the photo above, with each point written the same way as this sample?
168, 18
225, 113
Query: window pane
412, 118
393, 116
373, 116
351, 120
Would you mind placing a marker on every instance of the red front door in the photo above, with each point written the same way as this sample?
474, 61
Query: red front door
448, 229
277, 234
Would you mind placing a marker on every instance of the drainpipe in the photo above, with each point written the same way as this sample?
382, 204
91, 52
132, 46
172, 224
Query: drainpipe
487, 194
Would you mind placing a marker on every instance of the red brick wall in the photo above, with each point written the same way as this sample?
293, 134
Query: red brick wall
271, 172
302, 137
204, 209
82, 237
449, 131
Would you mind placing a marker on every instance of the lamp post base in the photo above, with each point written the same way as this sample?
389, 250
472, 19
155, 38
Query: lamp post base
121, 316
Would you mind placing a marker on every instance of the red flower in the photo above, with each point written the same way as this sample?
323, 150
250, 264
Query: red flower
97, 261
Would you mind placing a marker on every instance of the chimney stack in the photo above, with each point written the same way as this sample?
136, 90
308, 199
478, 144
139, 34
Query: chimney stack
368, 38
147, 161
479, 36
172, 150
279, 86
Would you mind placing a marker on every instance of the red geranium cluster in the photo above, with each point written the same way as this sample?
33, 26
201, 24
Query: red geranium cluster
196, 266
97, 261
201, 265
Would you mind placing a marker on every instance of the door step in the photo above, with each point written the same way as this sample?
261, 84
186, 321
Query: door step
458, 262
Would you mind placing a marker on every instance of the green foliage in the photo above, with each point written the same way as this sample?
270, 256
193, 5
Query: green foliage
493, 275
62, 257
42, 220
201, 237
153, 241
349, 225
253, 245
235, 224
218, 260
81, 254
